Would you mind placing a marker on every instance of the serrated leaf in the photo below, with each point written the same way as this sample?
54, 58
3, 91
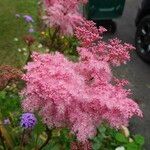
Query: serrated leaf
132, 146
102, 129
121, 138
139, 139
96, 146
52, 146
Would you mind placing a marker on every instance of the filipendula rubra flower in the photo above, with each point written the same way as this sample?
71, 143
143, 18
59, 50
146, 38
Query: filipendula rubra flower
63, 14
84, 94
78, 95
113, 51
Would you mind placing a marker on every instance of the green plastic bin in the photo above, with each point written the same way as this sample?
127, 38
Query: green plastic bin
104, 9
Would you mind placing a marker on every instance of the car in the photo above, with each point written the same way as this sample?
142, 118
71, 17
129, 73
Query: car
102, 12
142, 36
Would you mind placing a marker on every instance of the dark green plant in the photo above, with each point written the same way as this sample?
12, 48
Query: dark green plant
109, 139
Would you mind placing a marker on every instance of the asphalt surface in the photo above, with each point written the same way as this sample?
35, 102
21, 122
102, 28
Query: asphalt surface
136, 71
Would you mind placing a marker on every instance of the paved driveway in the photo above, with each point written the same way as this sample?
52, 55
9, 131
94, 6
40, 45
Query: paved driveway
136, 71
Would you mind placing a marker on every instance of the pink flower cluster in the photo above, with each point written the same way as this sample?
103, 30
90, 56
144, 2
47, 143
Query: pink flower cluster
113, 51
63, 14
77, 95
84, 94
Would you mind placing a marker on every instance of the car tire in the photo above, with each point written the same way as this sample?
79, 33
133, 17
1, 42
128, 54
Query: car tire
142, 39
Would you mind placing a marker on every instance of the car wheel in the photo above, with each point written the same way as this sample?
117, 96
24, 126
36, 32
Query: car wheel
142, 39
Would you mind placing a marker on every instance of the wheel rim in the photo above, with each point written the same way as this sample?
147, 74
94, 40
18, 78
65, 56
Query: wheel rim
143, 39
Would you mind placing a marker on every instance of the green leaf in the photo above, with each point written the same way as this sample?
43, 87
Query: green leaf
96, 146
102, 129
132, 146
52, 146
2, 95
98, 140
39, 128
121, 138
139, 139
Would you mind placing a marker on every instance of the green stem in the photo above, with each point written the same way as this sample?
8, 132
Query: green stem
29, 55
49, 135
53, 38
49, 32
22, 140
36, 142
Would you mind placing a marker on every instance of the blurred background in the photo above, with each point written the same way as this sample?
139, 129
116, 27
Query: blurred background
136, 71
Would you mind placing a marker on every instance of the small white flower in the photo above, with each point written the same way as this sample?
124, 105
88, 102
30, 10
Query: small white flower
120, 148
24, 49
47, 50
16, 39
40, 46
7, 86
19, 49
125, 131
130, 140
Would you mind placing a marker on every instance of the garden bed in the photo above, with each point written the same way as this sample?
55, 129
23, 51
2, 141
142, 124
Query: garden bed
66, 97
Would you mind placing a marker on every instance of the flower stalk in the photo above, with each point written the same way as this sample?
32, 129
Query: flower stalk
49, 135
